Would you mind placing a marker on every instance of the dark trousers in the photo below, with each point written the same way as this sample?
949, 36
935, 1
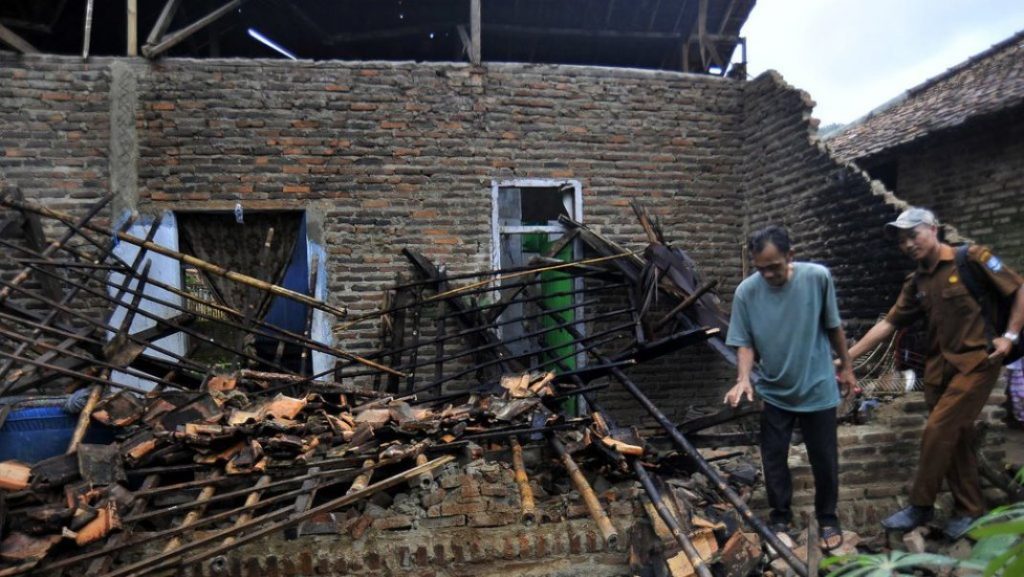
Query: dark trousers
819, 431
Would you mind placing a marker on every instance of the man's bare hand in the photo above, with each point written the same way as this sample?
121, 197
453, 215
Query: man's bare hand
1000, 348
847, 381
736, 394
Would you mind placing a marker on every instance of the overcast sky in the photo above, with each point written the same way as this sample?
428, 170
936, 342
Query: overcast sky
854, 55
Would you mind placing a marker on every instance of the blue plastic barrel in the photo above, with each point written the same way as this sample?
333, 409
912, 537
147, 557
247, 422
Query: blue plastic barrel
36, 433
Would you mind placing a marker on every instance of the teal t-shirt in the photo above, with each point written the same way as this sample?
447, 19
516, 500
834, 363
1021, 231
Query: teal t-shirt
787, 326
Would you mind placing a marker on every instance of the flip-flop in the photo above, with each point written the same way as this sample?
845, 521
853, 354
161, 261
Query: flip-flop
827, 534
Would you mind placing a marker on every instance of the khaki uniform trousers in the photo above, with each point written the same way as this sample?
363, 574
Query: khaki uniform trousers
947, 446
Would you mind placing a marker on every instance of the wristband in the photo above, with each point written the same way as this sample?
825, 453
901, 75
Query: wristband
1012, 337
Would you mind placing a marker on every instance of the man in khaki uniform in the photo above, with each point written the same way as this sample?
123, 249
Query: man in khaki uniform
961, 367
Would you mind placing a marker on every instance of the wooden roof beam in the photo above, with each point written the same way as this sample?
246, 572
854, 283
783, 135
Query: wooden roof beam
172, 39
7, 36
162, 22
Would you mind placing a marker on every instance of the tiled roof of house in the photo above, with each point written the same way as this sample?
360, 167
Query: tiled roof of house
983, 84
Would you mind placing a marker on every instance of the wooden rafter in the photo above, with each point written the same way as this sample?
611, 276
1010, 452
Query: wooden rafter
9, 37
654, 15
162, 22
170, 40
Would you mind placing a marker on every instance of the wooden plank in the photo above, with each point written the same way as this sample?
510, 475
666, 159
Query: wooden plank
173, 39
10, 38
474, 28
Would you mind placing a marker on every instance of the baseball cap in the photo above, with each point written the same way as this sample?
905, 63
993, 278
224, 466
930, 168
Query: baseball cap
910, 218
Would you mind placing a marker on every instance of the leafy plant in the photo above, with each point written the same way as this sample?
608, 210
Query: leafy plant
1000, 536
891, 564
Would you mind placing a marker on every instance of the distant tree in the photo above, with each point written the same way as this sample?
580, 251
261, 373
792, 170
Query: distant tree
828, 129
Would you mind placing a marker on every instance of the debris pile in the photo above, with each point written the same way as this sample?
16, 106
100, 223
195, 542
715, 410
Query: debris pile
471, 412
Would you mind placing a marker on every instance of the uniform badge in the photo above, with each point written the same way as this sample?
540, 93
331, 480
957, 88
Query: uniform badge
994, 264
953, 279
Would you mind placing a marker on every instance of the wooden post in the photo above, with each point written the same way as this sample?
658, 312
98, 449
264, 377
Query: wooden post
133, 28
474, 26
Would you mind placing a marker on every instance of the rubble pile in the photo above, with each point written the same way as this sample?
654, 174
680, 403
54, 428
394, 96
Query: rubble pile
464, 422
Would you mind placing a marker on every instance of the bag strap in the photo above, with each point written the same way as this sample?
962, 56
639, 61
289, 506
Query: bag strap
967, 276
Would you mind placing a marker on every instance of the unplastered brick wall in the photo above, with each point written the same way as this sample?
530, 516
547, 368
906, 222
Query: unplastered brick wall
54, 133
834, 212
393, 155
972, 177
877, 461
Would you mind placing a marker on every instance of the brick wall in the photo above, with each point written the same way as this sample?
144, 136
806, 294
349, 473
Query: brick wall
396, 155
972, 177
834, 213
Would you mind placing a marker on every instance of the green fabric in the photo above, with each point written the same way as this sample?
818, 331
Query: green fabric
787, 327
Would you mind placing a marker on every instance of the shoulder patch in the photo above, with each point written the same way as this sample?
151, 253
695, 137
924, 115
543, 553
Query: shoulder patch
994, 264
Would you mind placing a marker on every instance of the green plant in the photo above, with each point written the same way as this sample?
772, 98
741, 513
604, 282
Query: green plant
1000, 536
891, 564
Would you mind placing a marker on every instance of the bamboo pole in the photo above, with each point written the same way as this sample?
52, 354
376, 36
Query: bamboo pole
83, 419
529, 513
604, 524
192, 516
291, 518
677, 531
181, 257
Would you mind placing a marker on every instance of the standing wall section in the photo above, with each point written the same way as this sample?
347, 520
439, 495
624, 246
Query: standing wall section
835, 214
394, 155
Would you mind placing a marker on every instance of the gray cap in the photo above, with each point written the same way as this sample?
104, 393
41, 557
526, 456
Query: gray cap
911, 218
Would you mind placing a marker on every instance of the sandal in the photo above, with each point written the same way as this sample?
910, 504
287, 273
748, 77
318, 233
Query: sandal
828, 535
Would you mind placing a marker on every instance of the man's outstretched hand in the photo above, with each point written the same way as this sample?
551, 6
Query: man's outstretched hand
736, 394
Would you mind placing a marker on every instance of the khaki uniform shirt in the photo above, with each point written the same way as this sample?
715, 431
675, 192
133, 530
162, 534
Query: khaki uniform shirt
956, 330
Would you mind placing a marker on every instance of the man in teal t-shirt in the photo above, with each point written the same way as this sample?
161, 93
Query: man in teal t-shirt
786, 316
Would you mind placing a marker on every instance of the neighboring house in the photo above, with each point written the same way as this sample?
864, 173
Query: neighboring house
955, 144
